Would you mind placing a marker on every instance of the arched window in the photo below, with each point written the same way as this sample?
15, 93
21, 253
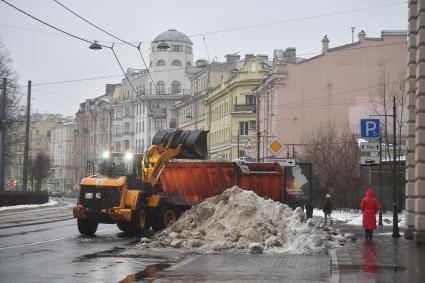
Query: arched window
177, 63
188, 64
175, 87
160, 85
160, 63
253, 67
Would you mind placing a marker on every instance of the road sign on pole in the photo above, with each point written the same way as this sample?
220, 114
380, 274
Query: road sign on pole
369, 160
285, 162
370, 146
275, 145
370, 128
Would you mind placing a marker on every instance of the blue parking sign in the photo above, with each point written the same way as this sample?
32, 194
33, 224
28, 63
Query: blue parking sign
370, 128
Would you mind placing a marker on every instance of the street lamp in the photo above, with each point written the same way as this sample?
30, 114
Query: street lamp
95, 46
396, 232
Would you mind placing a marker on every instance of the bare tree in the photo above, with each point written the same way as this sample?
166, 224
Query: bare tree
335, 156
14, 108
40, 169
381, 101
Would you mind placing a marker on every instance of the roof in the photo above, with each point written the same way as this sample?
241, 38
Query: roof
172, 35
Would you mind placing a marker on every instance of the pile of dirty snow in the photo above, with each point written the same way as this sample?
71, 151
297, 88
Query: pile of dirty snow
238, 219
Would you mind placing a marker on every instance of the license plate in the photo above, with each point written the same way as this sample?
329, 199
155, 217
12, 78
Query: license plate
98, 195
88, 196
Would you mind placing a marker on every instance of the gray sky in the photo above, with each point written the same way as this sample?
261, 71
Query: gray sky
41, 54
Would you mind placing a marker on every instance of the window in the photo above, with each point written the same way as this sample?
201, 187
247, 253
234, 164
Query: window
189, 49
160, 63
160, 85
126, 144
173, 123
126, 128
150, 64
159, 124
177, 63
188, 63
243, 128
117, 129
126, 111
253, 67
175, 87
176, 48
250, 99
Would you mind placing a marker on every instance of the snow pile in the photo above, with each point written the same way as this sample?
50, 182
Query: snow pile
24, 206
238, 218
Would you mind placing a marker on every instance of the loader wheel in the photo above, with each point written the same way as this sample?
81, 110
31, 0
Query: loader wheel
167, 215
126, 227
139, 220
86, 227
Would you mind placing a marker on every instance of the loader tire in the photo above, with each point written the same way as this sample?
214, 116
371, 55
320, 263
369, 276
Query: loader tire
139, 220
166, 215
126, 227
86, 227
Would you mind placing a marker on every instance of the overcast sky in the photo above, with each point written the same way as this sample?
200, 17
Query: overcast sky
41, 54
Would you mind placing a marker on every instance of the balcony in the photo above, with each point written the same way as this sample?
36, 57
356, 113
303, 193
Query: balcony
157, 112
244, 108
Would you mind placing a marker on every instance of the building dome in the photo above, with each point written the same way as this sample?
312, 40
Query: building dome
172, 35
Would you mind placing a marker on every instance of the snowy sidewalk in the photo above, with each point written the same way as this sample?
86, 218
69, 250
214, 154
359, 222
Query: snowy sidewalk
28, 206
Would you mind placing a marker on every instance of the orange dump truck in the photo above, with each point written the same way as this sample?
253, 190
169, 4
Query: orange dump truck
188, 183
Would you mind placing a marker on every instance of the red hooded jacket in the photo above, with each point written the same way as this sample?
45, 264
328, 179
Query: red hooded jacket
369, 207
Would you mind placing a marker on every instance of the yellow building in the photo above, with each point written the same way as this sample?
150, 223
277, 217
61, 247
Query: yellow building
231, 109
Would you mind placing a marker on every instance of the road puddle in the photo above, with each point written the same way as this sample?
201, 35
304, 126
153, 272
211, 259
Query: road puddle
151, 271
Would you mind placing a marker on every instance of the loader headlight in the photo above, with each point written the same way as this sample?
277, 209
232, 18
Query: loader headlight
106, 154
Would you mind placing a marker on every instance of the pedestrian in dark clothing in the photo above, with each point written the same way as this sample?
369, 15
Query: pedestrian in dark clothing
327, 208
369, 207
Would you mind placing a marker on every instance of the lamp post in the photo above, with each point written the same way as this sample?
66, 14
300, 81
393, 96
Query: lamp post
396, 231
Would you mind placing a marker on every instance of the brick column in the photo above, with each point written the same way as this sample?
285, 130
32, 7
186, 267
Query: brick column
411, 95
419, 222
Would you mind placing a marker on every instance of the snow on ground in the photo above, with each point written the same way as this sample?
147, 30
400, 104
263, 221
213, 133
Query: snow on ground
355, 218
238, 219
50, 203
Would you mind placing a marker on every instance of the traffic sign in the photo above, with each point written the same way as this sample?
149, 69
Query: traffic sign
285, 162
370, 128
249, 145
275, 145
369, 160
369, 146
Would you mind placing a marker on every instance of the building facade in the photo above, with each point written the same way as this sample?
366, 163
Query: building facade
62, 157
415, 187
231, 109
93, 129
333, 88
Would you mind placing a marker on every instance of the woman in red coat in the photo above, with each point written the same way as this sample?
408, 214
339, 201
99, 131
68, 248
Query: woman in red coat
369, 208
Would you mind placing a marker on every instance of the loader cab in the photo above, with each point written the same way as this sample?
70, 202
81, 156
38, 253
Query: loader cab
117, 164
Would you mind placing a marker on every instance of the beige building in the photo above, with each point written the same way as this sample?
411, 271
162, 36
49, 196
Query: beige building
333, 87
39, 142
191, 112
62, 157
415, 187
231, 109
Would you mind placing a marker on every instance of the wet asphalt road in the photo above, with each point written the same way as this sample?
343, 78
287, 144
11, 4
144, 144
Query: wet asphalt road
43, 245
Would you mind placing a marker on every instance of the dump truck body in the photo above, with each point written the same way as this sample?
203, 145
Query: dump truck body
188, 183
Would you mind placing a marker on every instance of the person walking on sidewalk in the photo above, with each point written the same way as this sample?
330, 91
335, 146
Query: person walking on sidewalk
369, 207
327, 208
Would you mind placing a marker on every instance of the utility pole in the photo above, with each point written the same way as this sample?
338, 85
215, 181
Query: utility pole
396, 233
380, 223
3, 134
26, 146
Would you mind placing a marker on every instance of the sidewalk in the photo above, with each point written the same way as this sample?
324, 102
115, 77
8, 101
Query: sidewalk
383, 259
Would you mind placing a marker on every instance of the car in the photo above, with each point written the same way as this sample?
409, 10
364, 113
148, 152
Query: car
56, 193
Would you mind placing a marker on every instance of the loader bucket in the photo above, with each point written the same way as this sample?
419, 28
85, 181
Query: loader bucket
193, 142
